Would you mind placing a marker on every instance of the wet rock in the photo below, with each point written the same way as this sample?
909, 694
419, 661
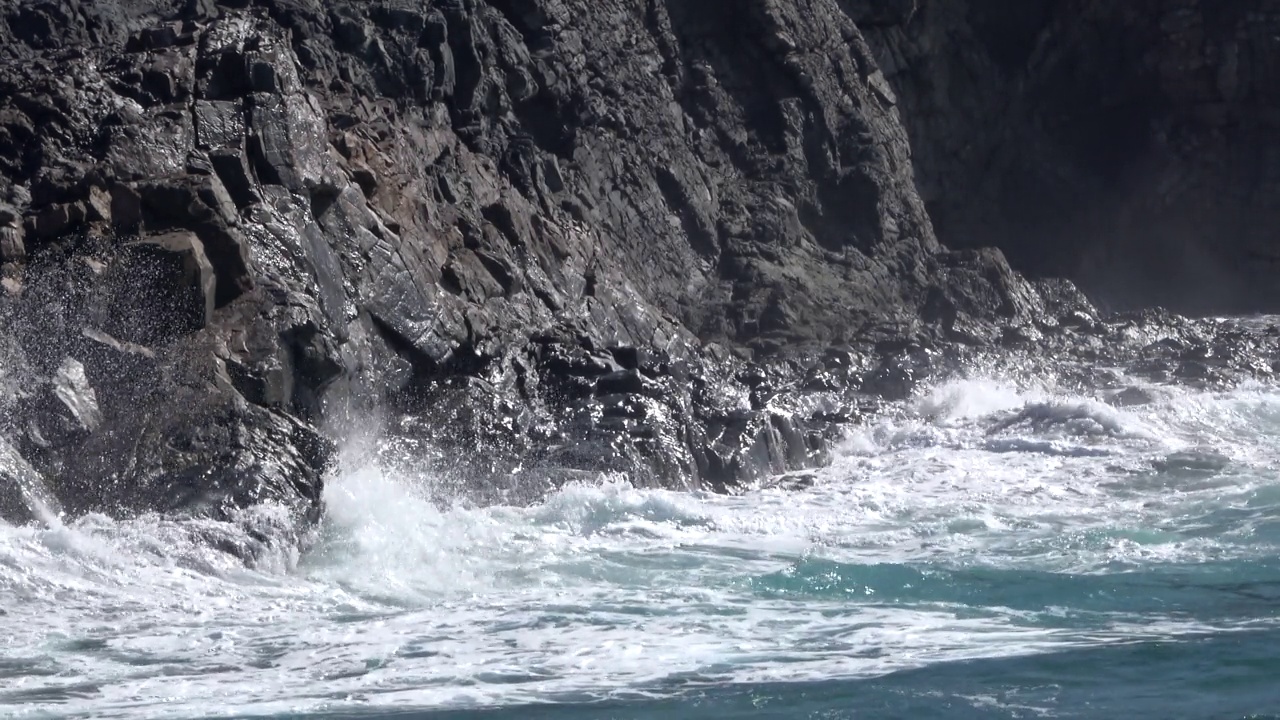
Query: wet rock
24, 498
571, 363
126, 207
897, 376
55, 221
202, 205
544, 243
233, 170
748, 446
1132, 397
109, 360
72, 389
65, 410
881, 12
220, 124
167, 288
626, 382
160, 37
13, 249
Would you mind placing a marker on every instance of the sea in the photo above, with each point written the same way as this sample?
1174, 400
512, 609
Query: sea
985, 549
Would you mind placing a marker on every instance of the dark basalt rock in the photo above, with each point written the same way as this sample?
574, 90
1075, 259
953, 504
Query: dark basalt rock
65, 410
167, 288
676, 240
23, 496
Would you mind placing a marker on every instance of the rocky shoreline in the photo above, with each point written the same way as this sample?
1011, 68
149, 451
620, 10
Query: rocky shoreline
682, 241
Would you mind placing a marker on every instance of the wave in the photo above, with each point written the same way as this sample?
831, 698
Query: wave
933, 539
614, 505
1214, 592
962, 399
1073, 418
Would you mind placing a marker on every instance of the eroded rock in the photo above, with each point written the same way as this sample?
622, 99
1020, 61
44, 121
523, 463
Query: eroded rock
677, 240
167, 288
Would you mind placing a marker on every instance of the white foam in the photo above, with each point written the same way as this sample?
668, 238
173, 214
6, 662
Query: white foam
970, 398
604, 589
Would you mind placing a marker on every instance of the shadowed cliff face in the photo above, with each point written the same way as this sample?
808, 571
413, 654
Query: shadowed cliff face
1129, 146
677, 240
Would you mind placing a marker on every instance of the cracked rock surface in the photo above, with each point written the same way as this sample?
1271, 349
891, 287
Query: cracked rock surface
677, 240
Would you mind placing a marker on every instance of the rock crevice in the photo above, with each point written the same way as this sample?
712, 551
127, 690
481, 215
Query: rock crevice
681, 241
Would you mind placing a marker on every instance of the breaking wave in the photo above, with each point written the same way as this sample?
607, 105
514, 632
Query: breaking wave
976, 524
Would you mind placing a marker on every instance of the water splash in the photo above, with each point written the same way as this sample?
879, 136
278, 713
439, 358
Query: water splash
943, 533
23, 493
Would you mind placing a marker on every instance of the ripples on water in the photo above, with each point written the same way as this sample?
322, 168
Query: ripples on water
983, 551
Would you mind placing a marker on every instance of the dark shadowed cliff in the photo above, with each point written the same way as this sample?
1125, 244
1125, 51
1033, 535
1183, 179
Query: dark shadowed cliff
677, 239
1130, 146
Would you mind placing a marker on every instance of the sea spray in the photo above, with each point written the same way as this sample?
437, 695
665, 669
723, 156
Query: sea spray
923, 547
23, 493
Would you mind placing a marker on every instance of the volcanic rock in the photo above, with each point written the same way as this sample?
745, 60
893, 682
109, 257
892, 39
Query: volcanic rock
681, 241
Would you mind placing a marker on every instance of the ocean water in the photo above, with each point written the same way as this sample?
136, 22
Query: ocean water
981, 551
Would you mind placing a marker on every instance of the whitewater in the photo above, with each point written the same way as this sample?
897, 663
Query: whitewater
986, 549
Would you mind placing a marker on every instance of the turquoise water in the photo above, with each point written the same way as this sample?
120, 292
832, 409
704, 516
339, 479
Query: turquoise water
985, 550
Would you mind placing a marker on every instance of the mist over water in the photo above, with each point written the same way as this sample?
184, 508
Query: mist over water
984, 550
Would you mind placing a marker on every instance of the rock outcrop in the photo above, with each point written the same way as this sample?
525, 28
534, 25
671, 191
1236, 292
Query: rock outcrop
680, 240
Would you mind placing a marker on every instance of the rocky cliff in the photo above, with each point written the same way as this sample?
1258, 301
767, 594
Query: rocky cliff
681, 240
1129, 146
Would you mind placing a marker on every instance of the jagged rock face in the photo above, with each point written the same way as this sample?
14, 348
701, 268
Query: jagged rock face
679, 240
1130, 146
23, 496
